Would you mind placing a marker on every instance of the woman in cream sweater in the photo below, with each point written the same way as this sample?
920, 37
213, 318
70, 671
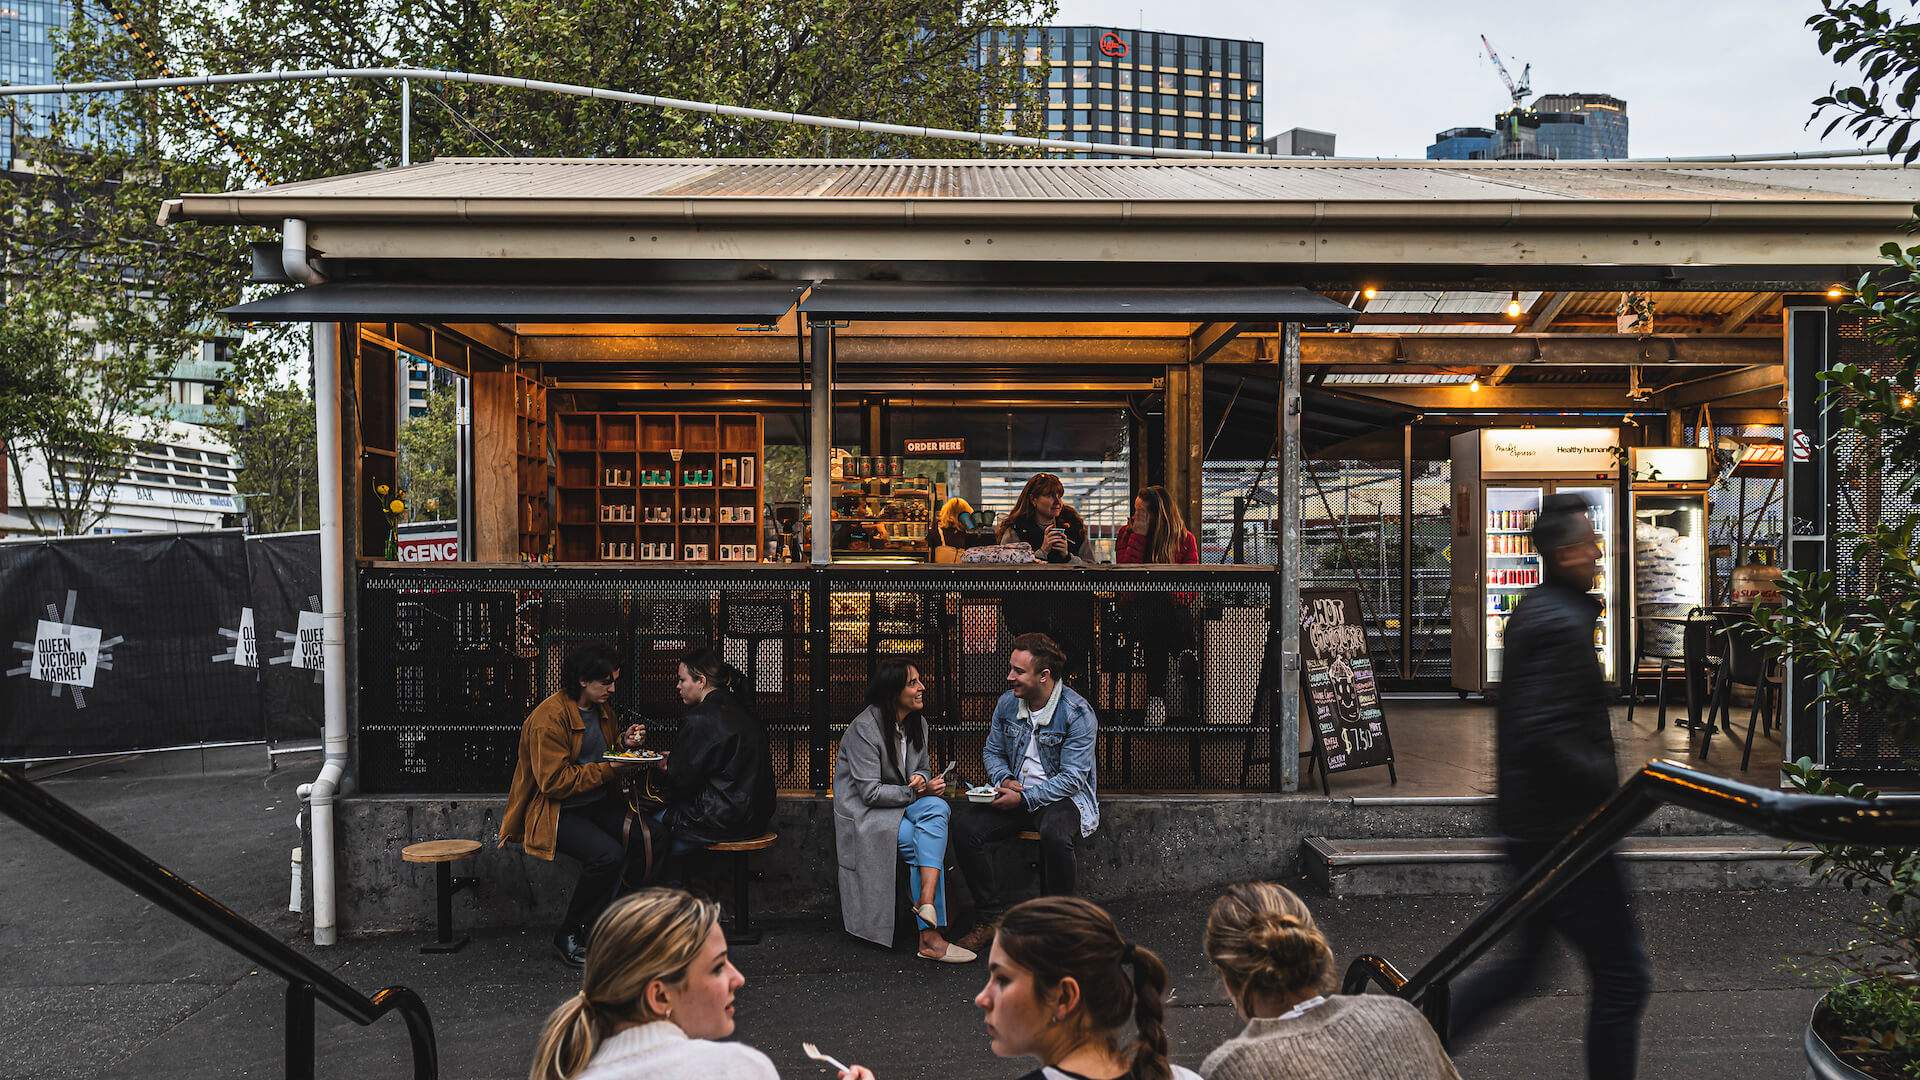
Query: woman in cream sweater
1278, 969
656, 997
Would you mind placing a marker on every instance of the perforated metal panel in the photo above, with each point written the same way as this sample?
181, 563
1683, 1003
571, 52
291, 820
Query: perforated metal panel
452, 660
1865, 495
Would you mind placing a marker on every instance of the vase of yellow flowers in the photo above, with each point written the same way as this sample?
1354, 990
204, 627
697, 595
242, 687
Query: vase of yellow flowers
393, 506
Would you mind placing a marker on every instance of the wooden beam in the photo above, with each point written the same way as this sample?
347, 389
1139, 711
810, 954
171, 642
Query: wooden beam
1745, 310
1578, 350
1546, 309
1499, 375
1750, 380
1207, 341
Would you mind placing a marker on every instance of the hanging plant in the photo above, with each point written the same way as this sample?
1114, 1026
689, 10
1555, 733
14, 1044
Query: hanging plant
1635, 313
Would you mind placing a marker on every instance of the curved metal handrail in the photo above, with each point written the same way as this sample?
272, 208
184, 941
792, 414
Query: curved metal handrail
307, 982
1814, 819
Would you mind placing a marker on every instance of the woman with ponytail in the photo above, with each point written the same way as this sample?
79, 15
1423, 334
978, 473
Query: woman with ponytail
656, 993
1065, 986
1278, 969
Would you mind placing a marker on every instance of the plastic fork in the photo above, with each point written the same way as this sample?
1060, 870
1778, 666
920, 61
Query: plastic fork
813, 1052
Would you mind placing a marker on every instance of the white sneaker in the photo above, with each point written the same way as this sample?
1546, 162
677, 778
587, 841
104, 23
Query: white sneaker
1156, 710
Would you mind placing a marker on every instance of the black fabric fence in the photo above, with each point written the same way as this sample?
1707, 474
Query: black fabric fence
148, 641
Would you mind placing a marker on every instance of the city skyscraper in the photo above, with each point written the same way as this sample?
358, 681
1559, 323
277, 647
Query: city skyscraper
29, 50
1557, 127
1135, 87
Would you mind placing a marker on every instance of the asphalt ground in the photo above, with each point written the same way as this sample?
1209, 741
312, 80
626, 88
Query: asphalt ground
96, 982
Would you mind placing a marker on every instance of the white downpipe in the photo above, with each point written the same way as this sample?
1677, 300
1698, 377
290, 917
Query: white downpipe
333, 588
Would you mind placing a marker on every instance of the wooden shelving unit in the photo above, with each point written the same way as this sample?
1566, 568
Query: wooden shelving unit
530, 458
659, 487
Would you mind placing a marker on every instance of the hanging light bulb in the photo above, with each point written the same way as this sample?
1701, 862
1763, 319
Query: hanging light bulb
1369, 292
1835, 292
1513, 305
1474, 385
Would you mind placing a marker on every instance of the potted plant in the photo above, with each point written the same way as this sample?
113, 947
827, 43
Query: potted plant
1861, 645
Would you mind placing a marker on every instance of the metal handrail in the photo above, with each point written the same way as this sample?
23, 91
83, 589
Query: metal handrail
307, 982
1807, 818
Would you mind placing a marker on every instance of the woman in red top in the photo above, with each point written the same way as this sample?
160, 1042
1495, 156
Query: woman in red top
1159, 621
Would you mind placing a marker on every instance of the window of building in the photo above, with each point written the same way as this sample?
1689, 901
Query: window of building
1104, 98
1253, 89
1213, 128
1082, 116
1082, 95
1124, 100
1057, 97
1190, 83
1234, 88
1253, 67
1082, 76
1056, 117
1191, 125
1169, 83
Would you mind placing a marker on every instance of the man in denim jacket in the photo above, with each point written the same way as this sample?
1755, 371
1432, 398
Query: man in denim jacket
1040, 758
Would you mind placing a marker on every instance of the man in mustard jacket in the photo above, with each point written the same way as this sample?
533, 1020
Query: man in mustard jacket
565, 796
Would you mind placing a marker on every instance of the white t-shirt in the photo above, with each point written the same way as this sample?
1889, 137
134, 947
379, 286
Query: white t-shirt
1031, 771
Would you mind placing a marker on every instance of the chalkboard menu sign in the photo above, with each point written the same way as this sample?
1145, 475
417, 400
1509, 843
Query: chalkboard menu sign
1343, 701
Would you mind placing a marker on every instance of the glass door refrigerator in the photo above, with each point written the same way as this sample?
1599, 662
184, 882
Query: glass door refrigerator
1670, 549
1500, 478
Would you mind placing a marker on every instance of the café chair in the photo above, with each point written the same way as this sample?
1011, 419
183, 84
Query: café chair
1661, 641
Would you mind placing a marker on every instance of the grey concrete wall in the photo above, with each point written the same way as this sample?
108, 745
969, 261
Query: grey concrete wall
1145, 845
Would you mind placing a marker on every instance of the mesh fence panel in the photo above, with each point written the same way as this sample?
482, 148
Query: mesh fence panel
1864, 496
1350, 535
1174, 662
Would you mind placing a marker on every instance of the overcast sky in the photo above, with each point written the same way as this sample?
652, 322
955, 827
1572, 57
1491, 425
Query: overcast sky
1699, 76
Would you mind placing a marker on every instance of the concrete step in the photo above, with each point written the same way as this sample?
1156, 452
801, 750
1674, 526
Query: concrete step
1477, 865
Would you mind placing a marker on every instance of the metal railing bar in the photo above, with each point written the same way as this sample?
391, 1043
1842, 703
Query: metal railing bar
74, 833
1806, 818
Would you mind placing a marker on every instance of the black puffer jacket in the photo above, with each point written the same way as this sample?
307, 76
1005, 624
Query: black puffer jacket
1556, 737
719, 778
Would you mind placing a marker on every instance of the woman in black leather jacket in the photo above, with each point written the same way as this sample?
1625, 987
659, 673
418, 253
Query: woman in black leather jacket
719, 779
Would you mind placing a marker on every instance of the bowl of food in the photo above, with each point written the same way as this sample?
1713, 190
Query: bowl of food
981, 794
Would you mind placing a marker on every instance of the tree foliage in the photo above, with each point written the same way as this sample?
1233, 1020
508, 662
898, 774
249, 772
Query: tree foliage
77, 413
428, 458
1883, 43
272, 435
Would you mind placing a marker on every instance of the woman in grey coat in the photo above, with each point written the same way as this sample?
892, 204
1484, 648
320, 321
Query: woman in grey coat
887, 805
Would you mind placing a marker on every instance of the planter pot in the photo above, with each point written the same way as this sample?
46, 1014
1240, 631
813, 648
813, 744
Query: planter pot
1822, 1062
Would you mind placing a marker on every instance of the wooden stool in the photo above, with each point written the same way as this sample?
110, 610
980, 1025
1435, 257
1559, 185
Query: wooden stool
443, 854
1040, 861
743, 932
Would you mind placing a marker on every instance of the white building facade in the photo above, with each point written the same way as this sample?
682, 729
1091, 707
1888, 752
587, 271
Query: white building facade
180, 478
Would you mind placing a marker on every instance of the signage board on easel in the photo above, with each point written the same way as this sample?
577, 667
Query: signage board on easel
1337, 680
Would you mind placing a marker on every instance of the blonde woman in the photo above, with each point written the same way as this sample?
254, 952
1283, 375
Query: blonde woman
656, 996
1278, 969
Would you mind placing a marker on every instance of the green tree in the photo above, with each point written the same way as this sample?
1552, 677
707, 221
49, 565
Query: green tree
78, 413
428, 458
271, 430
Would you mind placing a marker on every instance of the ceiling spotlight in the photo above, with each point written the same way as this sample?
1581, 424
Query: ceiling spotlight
1369, 292
1835, 292
1513, 305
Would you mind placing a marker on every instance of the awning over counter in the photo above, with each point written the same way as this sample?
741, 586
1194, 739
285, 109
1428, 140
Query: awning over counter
744, 302
898, 301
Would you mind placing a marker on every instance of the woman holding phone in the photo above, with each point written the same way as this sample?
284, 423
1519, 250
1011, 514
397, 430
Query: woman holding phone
887, 804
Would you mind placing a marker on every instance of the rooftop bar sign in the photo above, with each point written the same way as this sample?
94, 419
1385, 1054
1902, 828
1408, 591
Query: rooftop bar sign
1591, 451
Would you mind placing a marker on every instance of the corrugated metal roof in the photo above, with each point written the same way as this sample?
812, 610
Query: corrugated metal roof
1234, 181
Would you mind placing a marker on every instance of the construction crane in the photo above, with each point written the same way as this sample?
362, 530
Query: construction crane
1517, 91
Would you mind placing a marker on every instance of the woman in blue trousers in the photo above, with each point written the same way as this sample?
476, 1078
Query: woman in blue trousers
887, 805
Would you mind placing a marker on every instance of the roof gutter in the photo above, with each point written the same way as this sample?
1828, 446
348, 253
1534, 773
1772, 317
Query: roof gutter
274, 209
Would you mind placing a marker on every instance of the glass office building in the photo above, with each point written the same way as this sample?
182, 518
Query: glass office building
1134, 87
1557, 127
1463, 144
29, 43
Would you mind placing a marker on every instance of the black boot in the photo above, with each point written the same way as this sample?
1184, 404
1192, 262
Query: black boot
572, 946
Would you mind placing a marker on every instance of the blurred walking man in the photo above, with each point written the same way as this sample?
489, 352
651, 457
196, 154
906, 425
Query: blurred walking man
1556, 767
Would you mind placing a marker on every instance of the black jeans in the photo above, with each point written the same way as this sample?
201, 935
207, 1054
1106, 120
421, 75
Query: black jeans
976, 825
1164, 629
1595, 915
609, 865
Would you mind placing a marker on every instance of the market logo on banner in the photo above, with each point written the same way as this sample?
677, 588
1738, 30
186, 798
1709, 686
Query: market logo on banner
64, 654
305, 649
245, 650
